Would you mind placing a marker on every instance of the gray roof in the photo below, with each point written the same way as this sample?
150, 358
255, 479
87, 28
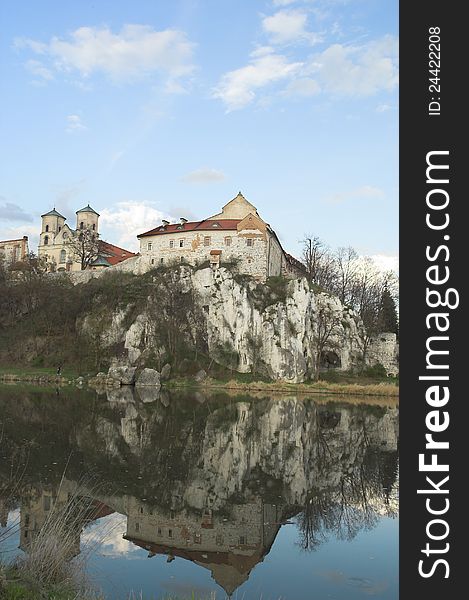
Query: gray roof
52, 213
88, 209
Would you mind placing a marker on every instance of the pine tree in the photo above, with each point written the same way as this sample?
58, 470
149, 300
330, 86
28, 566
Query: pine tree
387, 314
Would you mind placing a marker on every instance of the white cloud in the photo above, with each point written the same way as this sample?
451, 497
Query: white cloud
237, 88
125, 220
302, 87
106, 535
381, 108
360, 70
132, 53
364, 192
204, 175
37, 68
386, 262
286, 26
74, 124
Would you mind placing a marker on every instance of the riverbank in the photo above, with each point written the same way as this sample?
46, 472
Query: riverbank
344, 384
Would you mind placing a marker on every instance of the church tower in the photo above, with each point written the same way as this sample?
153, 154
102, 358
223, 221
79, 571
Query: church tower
52, 223
87, 218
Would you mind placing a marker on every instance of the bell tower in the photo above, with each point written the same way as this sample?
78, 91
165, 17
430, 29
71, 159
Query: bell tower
52, 223
87, 218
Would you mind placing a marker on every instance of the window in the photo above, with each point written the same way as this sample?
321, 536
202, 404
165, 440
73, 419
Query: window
94, 226
46, 240
216, 224
150, 245
26, 520
81, 225
63, 256
47, 227
141, 510
182, 258
161, 261
181, 243
152, 261
242, 540
159, 530
137, 526
65, 235
60, 228
219, 539
170, 533
197, 538
227, 241
171, 243
249, 241
171, 514
207, 241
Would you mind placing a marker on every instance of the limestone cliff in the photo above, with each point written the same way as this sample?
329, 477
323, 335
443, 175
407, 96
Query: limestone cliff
282, 329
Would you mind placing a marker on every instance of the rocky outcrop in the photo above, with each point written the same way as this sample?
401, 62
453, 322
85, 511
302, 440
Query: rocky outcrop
124, 375
285, 332
148, 377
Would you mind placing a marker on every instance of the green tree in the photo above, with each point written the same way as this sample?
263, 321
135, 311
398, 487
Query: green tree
387, 313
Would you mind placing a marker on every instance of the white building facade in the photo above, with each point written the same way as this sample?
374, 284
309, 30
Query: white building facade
236, 235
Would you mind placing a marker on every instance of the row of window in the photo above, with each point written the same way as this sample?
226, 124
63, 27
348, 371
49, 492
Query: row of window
81, 227
197, 536
207, 242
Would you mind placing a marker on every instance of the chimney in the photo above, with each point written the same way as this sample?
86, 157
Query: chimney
165, 222
183, 220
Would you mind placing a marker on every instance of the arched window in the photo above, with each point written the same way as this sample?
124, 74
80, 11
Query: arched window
47, 227
63, 256
46, 240
94, 226
81, 225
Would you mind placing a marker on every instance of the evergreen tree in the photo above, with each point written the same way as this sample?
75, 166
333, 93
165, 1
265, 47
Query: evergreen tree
387, 314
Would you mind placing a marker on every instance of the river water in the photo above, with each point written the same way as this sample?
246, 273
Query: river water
213, 495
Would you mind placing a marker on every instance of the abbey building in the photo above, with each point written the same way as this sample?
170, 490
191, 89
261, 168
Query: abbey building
67, 249
236, 234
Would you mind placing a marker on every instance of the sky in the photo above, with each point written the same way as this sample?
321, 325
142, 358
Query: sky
166, 109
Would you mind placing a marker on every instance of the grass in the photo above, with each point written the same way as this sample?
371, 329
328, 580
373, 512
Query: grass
32, 371
318, 387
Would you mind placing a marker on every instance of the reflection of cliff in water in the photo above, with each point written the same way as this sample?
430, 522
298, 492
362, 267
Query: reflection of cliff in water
210, 480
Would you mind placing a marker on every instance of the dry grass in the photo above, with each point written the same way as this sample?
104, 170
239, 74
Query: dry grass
319, 387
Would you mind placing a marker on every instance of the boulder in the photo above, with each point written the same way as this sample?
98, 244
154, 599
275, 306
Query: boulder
148, 393
148, 377
200, 376
166, 372
125, 375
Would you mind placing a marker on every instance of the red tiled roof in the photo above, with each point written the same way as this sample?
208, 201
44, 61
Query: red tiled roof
205, 225
113, 254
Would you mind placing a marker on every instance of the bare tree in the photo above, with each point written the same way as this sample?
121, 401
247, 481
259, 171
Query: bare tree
328, 325
319, 262
84, 247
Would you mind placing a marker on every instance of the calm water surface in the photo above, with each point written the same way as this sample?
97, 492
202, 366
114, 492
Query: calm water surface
237, 497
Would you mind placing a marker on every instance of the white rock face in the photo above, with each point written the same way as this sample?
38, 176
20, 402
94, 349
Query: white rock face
384, 349
261, 332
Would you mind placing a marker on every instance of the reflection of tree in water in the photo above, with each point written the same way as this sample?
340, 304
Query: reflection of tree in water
222, 474
362, 495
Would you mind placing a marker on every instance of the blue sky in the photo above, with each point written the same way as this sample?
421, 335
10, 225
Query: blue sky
150, 109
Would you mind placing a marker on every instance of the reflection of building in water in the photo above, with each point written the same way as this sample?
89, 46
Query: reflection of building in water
58, 503
229, 546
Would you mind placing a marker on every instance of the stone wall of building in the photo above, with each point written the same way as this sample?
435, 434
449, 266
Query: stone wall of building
196, 247
12, 251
